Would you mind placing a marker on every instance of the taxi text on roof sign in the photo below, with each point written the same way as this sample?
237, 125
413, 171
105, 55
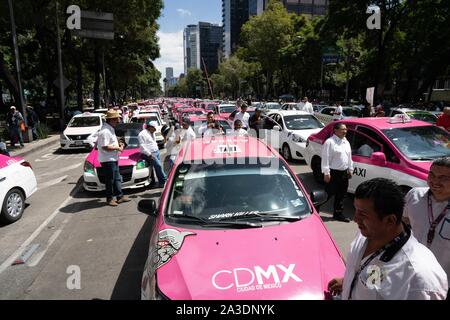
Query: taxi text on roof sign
399, 118
224, 148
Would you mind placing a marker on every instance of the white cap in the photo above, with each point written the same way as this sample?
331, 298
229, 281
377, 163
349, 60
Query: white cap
152, 124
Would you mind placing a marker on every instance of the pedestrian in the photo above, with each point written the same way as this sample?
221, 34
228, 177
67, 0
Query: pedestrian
186, 133
244, 116
444, 119
307, 106
33, 121
337, 167
3, 149
379, 111
150, 151
338, 112
366, 112
108, 155
238, 131
211, 127
256, 122
386, 262
169, 134
14, 120
427, 210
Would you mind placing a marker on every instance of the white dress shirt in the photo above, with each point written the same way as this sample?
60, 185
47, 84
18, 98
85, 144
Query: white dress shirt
336, 155
147, 143
187, 134
412, 274
107, 137
239, 133
308, 107
416, 210
244, 117
338, 113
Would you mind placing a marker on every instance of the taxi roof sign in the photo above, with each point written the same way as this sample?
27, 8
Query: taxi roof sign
227, 148
400, 118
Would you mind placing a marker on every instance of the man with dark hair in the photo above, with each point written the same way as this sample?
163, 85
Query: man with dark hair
428, 211
337, 167
385, 261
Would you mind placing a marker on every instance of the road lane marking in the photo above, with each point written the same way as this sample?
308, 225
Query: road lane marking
34, 261
51, 182
7, 263
60, 170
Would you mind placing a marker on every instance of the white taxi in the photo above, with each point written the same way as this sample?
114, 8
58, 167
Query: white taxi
326, 114
82, 130
294, 128
17, 183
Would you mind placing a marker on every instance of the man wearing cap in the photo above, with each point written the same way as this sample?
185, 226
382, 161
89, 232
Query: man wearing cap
108, 155
149, 149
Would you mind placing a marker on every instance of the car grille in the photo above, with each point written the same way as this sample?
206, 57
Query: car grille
125, 171
78, 137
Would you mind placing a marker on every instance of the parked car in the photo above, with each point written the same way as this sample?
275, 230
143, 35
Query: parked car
81, 132
415, 114
326, 114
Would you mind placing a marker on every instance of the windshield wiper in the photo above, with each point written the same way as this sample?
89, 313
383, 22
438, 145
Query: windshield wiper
422, 159
264, 216
210, 223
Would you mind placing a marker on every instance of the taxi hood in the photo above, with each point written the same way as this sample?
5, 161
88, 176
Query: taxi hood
289, 261
128, 157
81, 130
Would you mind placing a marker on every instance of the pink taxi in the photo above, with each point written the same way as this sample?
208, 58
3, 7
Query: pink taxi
397, 148
17, 183
190, 111
133, 169
235, 222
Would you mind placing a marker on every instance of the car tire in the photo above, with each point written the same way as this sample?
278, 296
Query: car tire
316, 167
286, 152
15, 201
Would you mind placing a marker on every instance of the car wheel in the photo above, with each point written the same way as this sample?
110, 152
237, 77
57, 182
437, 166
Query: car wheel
317, 170
13, 206
286, 151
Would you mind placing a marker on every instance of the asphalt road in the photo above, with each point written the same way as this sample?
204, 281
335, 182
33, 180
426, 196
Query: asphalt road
73, 230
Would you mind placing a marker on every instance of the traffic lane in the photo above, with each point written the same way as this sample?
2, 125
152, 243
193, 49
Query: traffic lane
57, 175
342, 233
109, 245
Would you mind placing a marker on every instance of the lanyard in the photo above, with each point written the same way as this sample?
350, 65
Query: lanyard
433, 222
389, 249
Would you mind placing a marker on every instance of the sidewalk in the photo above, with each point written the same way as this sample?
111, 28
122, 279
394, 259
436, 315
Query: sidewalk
33, 146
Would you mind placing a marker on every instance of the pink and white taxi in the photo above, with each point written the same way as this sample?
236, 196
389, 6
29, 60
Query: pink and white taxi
235, 222
397, 148
17, 183
133, 169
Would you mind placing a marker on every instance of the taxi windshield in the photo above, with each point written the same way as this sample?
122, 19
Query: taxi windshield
273, 106
350, 112
302, 122
129, 133
145, 119
80, 122
227, 109
420, 143
212, 192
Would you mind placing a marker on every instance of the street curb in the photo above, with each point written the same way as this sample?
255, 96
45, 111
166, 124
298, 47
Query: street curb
36, 147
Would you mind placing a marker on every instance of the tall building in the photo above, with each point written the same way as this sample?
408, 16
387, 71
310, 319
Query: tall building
190, 46
256, 7
202, 42
310, 7
169, 73
234, 14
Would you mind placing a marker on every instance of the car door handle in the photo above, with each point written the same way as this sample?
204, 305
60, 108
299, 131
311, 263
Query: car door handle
2, 179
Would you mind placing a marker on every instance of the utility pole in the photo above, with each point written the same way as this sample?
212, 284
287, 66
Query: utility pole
60, 71
207, 78
16, 54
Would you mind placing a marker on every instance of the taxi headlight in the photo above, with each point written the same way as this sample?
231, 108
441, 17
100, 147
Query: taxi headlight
141, 164
89, 167
297, 138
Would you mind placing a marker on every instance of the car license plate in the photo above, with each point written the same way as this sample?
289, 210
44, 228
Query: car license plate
78, 143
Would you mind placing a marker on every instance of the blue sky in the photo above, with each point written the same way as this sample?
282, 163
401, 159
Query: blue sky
176, 15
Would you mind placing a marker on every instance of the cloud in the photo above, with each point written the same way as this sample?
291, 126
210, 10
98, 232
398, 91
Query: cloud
184, 13
171, 51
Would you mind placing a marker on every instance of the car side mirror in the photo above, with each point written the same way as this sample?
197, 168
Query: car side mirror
147, 207
276, 128
378, 158
318, 198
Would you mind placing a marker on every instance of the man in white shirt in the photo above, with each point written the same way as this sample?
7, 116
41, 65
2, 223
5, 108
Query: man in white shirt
108, 155
337, 167
428, 212
244, 116
211, 127
149, 149
338, 112
238, 131
386, 262
187, 133
307, 106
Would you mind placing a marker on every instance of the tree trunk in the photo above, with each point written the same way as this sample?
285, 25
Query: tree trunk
96, 78
9, 79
